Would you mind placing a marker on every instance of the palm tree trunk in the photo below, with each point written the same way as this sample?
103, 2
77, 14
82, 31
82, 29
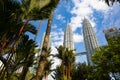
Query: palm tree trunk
6, 67
38, 30
19, 33
42, 60
3, 46
24, 72
62, 65
68, 69
22, 28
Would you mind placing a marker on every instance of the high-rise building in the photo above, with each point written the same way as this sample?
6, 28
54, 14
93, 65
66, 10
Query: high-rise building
68, 38
90, 40
112, 32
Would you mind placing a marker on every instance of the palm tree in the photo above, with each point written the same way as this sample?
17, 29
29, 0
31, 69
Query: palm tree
47, 68
28, 48
7, 22
42, 61
23, 57
61, 55
58, 75
80, 71
69, 59
16, 13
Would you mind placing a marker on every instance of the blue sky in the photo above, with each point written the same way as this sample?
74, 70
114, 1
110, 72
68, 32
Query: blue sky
73, 12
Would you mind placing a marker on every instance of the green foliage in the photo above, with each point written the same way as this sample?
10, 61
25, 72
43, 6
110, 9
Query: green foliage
15, 76
81, 71
68, 58
107, 58
29, 75
13, 15
58, 74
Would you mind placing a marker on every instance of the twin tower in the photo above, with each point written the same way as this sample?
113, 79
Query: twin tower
90, 40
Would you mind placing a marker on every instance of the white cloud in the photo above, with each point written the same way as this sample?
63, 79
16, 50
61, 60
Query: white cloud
60, 17
57, 37
55, 60
112, 17
54, 26
92, 22
98, 5
78, 38
57, 43
85, 8
75, 22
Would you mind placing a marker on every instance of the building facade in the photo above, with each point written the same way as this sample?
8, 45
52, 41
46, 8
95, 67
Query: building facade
111, 32
90, 40
68, 38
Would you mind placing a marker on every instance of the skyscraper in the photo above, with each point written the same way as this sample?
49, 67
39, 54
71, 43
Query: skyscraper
90, 40
68, 38
112, 32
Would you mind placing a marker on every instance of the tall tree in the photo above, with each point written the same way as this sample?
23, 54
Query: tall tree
107, 59
12, 11
67, 57
69, 60
47, 69
80, 71
42, 60
61, 55
28, 50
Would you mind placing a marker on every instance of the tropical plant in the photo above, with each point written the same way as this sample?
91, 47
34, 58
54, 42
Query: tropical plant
42, 61
47, 69
81, 71
67, 57
21, 13
107, 58
58, 74
22, 57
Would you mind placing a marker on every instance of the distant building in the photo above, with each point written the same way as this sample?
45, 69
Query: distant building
68, 38
112, 32
90, 40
